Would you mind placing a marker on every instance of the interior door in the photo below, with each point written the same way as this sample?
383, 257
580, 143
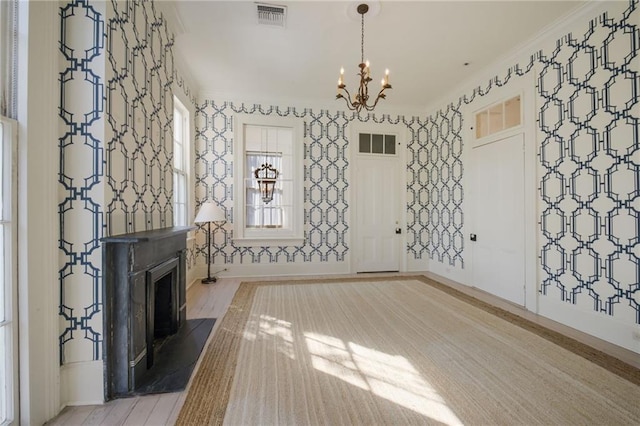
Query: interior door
498, 218
377, 214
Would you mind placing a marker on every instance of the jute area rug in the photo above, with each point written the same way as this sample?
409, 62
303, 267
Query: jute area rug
397, 351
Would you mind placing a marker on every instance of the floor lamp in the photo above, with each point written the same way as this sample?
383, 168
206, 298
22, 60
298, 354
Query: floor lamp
209, 212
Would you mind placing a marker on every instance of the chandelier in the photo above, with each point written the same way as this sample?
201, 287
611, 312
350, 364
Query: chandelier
361, 98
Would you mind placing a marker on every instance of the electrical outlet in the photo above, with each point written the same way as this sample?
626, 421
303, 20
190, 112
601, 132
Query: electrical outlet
636, 335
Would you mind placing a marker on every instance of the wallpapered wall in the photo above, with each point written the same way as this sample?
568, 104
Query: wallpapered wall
326, 148
116, 149
588, 89
589, 160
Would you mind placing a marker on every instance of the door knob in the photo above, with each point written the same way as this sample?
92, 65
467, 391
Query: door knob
398, 230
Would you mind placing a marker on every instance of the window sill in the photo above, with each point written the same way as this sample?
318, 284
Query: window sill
268, 242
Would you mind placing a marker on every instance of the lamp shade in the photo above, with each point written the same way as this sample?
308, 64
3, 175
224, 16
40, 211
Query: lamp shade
210, 212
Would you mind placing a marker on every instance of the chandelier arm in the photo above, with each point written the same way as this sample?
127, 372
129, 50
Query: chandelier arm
347, 99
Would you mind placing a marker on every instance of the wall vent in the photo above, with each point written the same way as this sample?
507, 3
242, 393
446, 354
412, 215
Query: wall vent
270, 14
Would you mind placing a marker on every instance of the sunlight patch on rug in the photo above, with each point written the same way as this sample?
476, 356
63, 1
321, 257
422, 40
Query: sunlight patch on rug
391, 377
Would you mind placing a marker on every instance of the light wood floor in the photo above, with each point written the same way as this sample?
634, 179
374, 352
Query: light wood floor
212, 301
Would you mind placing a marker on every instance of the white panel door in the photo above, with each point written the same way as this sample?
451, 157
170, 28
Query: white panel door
498, 218
377, 214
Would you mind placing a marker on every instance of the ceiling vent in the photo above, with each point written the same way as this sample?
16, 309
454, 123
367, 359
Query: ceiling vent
270, 14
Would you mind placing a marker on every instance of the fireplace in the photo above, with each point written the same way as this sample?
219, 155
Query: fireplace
144, 300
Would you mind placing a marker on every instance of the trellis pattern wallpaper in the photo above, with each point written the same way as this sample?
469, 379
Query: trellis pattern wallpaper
139, 113
590, 165
116, 149
588, 89
435, 188
81, 178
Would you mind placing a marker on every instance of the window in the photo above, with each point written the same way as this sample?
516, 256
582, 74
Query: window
275, 142
8, 229
8, 289
373, 143
180, 162
499, 117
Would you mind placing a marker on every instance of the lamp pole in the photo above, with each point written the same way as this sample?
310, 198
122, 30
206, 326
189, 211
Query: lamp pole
209, 278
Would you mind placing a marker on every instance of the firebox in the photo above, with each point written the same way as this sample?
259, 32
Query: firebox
144, 300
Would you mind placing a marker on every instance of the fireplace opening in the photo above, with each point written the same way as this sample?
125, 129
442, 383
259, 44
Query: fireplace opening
162, 305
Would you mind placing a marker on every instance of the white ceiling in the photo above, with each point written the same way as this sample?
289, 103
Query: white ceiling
424, 44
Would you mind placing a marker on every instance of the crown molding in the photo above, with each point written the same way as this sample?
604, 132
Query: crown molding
523, 52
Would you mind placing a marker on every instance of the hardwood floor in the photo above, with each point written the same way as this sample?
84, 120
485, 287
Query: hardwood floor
203, 301
212, 301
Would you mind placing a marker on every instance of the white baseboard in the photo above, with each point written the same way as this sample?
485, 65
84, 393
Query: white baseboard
453, 273
273, 269
593, 323
82, 383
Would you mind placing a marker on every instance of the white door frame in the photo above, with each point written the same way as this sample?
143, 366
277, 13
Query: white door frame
525, 87
356, 127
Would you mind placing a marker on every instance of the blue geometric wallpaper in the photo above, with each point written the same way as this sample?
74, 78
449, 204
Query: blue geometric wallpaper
435, 188
81, 175
590, 157
116, 148
139, 113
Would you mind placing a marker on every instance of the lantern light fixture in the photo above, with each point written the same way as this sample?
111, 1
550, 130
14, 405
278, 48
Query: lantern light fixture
266, 176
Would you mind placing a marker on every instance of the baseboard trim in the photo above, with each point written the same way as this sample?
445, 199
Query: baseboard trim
82, 383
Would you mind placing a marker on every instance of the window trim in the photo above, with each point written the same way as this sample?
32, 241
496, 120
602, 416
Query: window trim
9, 203
184, 170
268, 237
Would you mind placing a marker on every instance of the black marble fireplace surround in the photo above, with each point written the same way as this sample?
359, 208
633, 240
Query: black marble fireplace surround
144, 301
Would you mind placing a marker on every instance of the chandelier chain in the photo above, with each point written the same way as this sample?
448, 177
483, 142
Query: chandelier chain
362, 41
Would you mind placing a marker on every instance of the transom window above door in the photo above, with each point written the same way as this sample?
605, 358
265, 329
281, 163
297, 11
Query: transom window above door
498, 117
374, 143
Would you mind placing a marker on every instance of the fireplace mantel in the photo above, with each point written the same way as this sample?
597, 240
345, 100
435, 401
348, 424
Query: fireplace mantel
132, 265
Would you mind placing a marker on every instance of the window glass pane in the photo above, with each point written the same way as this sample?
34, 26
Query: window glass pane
182, 188
365, 142
482, 125
496, 119
512, 112
377, 144
177, 156
390, 144
2, 144
4, 363
258, 213
5, 284
177, 125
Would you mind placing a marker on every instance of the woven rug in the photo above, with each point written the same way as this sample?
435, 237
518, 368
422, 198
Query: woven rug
397, 351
